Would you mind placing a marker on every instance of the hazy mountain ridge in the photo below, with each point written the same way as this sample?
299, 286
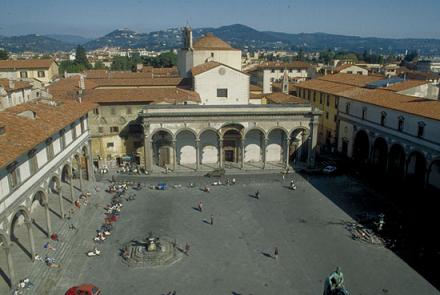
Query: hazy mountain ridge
237, 35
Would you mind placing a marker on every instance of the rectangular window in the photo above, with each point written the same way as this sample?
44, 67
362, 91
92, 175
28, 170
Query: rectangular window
41, 74
336, 101
101, 129
273, 70
62, 140
272, 79
420, 131
33, 163
23, 74
49, 149
400, 124
364, 113
110, 144
320, 98
96, 111
328, 100
14, 178
113, 111
212, 54
314, 96
290, 71
114, 129
347, 108
83, 128
222, 92
326, 115
129, 111
73, 131
335, 118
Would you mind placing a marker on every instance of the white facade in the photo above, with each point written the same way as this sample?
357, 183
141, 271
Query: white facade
265, 77
209, 83
353, 69
12, 98
414, 134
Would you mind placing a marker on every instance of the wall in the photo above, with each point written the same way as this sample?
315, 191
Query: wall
230, 58
237, 83
278, 75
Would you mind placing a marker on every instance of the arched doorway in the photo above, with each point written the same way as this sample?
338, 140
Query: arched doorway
361, 147
253, 143
299, 145
55, 199
186, 148
40, 215
5, 262
209, 147
434, 174
276, 145
133, 135
396, 162
85, 162
416, 168
232, 144
163, 148
380, 155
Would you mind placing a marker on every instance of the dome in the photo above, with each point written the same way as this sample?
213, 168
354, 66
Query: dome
211, 42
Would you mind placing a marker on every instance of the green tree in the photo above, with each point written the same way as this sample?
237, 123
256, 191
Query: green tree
411, 56
164, 60
99, 65
81, 57
70, 67
300, 55
4, 55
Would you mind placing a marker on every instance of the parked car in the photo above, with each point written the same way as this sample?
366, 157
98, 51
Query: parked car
84, 289
329, 169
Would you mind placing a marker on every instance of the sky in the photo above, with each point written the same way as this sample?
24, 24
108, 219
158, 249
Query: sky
94, 18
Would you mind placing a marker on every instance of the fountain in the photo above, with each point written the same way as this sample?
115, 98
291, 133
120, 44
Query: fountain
150, 251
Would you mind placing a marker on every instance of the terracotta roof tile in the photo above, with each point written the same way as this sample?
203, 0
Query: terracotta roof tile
23, 134
407, 84
211, 42
280, 98
204, 67
351, 79
325, 86
18, 85
26, 63
388, 99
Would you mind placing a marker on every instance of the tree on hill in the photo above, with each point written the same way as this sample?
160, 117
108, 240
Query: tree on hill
99, 65
70, 67
4, 55
81, 57
411, 56
164, 60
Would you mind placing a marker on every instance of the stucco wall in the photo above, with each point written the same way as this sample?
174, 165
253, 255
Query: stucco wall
237, 83
230, 58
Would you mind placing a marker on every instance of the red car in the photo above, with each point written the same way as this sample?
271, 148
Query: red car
84, 289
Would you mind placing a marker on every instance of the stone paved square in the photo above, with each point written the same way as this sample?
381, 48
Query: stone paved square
231, 256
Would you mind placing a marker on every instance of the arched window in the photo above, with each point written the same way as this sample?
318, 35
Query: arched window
383, 117
421, 129
400, 123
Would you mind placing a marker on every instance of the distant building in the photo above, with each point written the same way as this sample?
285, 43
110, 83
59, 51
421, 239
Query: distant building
43, 70
350, 69
428, 65
267, 73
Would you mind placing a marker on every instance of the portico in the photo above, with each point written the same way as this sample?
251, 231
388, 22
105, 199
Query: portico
198, 137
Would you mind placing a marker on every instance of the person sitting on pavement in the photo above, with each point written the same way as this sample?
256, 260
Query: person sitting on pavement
334, 282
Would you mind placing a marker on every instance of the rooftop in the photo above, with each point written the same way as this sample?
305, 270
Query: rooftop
18, 85
22, 133
26, 64
284, 65
351, 79
211, 42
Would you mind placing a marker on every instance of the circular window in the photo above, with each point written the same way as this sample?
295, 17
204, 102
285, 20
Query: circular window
221, 71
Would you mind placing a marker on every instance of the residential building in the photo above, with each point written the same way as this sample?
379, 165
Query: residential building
43, 144
392, 133
350, 69
428, 65
43, 70
268, 73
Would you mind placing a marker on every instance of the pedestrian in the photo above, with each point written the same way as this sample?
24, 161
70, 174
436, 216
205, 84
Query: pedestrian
174, 243
283, 175
174, 293
257, 194
200, 206
54, 237
276, 253
187, 247
77, 204
212, 219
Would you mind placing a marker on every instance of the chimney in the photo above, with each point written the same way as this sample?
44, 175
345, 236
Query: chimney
285, 84
11, 84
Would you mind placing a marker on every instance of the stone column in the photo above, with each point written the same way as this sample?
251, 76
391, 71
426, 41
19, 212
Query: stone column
312, 139
286, 164
220, 153
60, 197
71, 183
174, 155
263, 151
80, 174
92, 171
242, 153
49, 226
31, 238
10, 266
197, 154
148, 150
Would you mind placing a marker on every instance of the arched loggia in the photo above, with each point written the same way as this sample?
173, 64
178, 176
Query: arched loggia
361, 148
380, 155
